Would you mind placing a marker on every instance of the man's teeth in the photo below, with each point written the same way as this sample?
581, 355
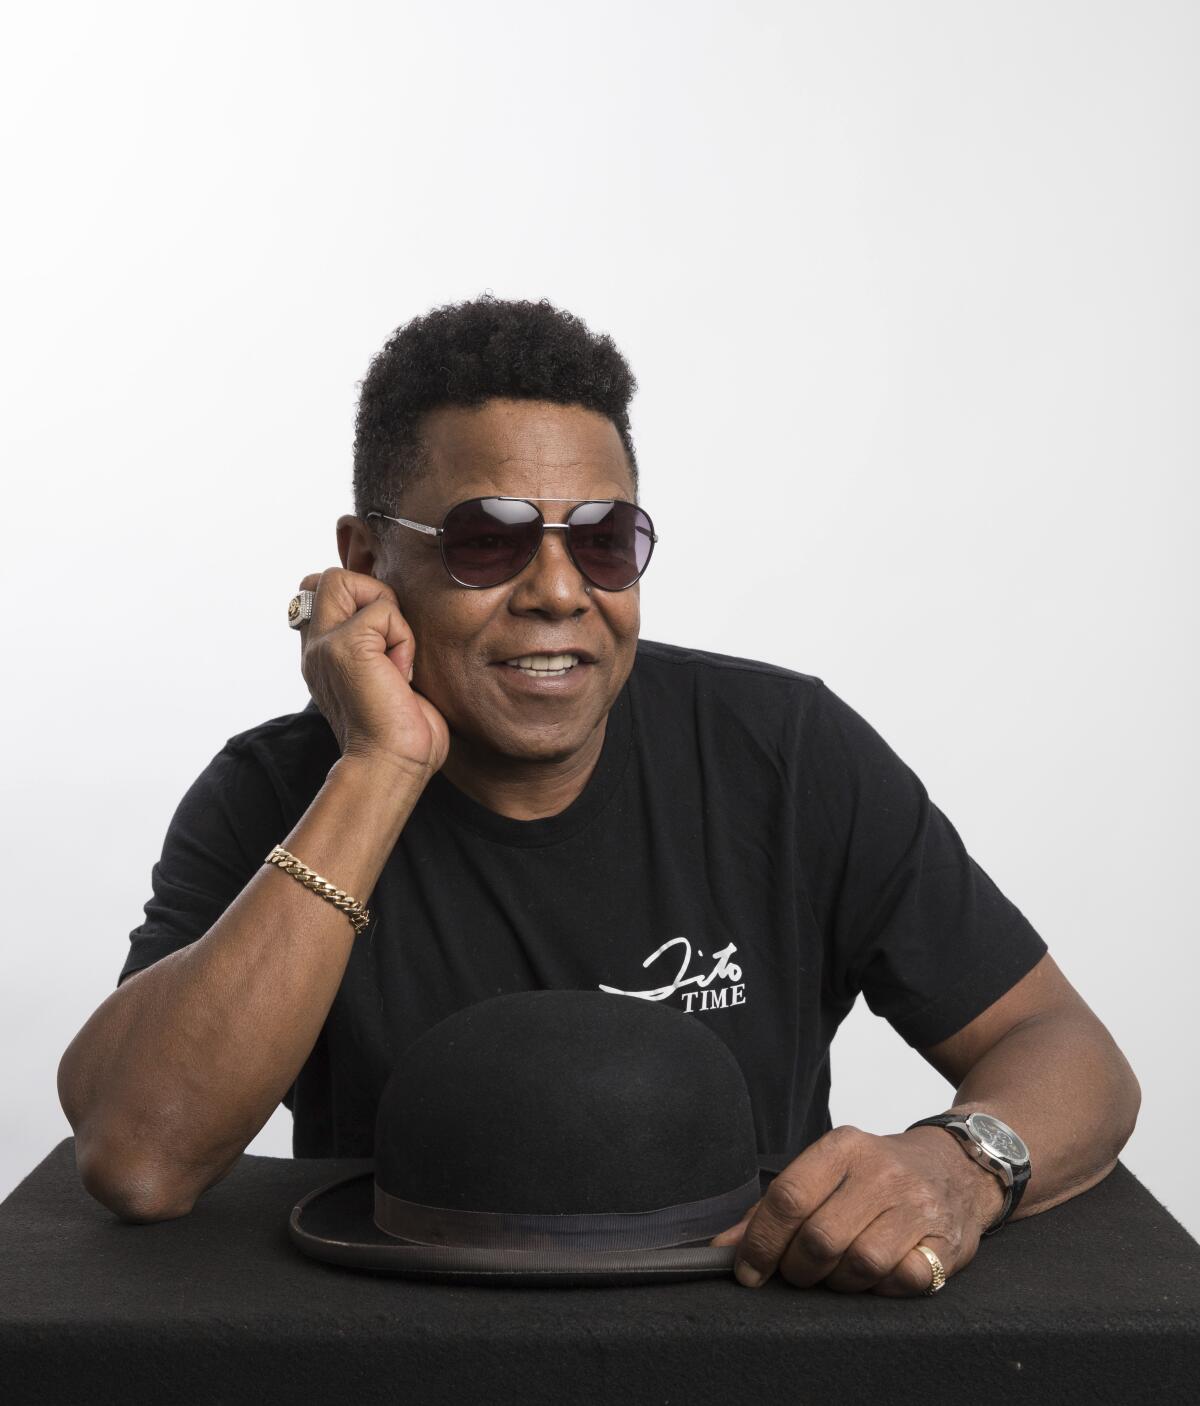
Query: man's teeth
544, 663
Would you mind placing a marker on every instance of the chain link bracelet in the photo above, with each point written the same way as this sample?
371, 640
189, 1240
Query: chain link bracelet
353, 909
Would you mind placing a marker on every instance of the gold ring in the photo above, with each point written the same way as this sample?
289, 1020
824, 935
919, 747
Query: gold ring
939, 1269
300, 608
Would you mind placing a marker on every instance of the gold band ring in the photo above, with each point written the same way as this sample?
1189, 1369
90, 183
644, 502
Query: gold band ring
939, 1269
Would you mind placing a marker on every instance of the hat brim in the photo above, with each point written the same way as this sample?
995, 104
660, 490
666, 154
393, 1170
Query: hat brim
335, 1223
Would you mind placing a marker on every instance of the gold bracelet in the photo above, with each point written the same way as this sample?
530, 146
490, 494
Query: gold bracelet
353, 909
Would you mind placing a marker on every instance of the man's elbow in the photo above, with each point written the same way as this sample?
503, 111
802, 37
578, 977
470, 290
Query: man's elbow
1126, 1101
131, 1194
1102, 1077
1134, 1107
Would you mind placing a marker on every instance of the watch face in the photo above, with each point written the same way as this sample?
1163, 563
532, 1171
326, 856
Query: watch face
998, 1138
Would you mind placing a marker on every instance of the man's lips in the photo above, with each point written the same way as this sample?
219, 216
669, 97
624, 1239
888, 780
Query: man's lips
583, 656
547, 674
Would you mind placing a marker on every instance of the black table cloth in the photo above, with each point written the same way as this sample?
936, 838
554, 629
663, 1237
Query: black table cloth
1095, 1300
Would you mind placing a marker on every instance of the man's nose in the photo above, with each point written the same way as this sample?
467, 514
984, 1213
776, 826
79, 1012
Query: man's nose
551, 583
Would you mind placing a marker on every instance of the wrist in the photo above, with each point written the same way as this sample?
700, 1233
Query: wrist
383, 773
982, 1191
380, 793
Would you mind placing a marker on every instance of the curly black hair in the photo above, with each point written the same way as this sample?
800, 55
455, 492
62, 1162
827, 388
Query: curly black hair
464, 353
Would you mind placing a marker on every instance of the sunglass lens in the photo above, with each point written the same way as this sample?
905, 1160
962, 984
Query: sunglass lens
611, 543
488, 540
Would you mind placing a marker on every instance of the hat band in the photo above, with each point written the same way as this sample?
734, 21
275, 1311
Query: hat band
668, 1227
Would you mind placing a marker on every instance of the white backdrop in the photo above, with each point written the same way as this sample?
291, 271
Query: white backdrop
920, 280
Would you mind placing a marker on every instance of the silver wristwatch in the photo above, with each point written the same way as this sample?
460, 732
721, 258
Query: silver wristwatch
993, 1145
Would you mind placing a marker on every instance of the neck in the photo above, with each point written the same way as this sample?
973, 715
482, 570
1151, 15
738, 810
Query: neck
522, 790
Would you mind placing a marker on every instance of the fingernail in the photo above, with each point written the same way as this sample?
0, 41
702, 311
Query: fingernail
410, 673
746, 1275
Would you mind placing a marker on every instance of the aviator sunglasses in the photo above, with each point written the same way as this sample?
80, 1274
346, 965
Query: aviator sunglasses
487, 541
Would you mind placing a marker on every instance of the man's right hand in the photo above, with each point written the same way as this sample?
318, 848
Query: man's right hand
356, 655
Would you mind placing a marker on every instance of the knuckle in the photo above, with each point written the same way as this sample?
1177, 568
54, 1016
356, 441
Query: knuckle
360, 648
330, 580
760, 1247
386, 606
867, 1262
926, 1204
783, 1199
816, 1241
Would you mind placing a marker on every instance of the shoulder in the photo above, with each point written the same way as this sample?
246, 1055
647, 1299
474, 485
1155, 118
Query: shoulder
699, 688
684, 667
798, 710
294, 750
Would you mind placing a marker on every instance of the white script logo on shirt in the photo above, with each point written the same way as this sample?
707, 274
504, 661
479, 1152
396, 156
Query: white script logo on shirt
731, 995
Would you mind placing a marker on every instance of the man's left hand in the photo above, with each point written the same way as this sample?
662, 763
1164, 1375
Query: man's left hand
851, 1208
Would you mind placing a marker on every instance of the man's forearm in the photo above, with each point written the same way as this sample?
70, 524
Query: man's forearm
1061, 1082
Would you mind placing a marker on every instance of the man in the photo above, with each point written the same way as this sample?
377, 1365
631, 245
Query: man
529, 796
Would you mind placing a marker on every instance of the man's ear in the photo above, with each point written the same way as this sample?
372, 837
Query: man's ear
358, 547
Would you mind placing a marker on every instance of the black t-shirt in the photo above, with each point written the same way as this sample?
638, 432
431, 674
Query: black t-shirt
747, 848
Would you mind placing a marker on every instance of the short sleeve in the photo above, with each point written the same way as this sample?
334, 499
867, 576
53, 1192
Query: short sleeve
911, 919
225, 824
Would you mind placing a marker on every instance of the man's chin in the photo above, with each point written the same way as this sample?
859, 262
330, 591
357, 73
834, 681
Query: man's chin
543, 745
558, 747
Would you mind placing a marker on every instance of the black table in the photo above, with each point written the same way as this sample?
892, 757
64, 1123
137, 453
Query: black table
1095, 1300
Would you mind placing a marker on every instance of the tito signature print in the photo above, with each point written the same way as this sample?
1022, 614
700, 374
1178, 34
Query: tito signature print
732, 995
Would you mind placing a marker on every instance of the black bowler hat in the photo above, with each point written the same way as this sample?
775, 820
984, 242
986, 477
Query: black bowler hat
549, 1138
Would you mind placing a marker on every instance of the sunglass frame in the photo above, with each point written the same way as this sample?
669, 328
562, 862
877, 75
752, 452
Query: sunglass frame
440, 534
